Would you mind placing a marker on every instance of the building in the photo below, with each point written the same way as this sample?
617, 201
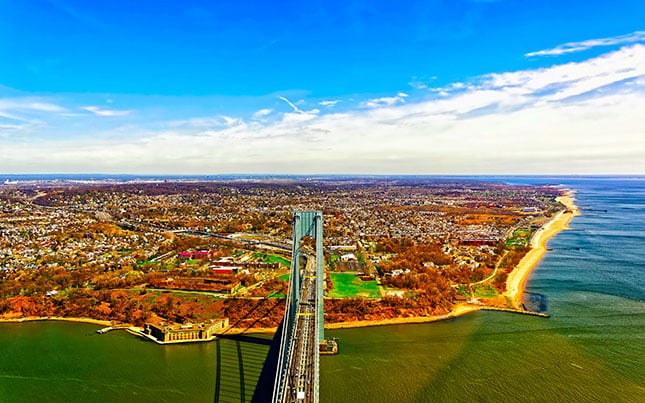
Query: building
164, 332
349, 257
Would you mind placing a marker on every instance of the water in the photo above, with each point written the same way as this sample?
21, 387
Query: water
69, 362
592, 349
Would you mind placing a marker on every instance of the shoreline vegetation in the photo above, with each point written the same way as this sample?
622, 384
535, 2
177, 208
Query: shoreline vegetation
515, 283
517, 279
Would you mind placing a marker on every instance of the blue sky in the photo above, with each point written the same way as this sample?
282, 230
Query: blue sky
434, 87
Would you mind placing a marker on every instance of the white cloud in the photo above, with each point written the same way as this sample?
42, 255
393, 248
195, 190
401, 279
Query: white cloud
384, 101
570, 47
230, 121
25, 115
29, 105
571, 118
98, 111
572, 79
329, 104
262, 113
418, 85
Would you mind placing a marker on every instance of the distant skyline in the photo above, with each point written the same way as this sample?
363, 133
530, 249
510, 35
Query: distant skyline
470, 87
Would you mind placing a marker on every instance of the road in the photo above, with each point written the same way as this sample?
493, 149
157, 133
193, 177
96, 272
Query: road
301, 375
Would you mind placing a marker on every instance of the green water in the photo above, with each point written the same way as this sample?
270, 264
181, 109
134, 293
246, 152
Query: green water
592, 349
491, 357
486, 356
68, 362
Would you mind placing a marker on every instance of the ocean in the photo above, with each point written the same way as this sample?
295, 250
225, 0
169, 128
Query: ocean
592, 349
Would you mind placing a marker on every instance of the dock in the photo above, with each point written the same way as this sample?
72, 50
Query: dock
110, 328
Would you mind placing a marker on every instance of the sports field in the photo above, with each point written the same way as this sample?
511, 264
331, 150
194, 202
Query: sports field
347, 285
266, 258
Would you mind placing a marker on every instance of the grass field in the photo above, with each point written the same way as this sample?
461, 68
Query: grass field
522, 233
266, 258
484, 291
520, 238
347, 285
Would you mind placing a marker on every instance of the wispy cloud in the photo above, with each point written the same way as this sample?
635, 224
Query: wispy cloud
571, 118
329, 104
570, 47
262, 113
29, 104
385, 101
25, 115
298, 110
291, 104
98, 111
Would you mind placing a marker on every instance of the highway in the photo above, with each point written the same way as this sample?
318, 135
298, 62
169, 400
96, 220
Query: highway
301, 369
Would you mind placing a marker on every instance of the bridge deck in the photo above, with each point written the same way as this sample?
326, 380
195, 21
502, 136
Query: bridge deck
297, 372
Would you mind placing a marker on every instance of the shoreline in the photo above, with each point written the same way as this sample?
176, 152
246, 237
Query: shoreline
515, 284
518, 277
57, 318
458, 310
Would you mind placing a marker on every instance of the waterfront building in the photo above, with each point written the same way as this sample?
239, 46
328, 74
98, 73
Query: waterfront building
165, 332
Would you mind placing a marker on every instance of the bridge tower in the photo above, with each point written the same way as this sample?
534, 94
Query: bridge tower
308, 223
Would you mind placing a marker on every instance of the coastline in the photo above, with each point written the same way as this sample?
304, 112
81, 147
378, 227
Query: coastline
515, 283
517, 278
58, 318
458, 310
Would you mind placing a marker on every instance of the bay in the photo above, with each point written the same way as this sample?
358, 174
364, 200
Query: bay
591, 349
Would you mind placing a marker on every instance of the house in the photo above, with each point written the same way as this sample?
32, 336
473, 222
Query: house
349, 257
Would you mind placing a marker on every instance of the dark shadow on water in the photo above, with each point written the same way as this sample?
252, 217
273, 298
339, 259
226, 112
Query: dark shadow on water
264, 388
218, 375
535, 302
247, 339
240, 363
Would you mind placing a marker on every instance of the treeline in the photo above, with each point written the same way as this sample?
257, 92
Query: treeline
253, 313
410, 255
357, 309
117, 305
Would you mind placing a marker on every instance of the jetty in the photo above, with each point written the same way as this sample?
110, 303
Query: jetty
110, 328
514, 310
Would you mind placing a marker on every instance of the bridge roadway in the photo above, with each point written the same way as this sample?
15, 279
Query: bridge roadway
298, 382
297, 372
301, 371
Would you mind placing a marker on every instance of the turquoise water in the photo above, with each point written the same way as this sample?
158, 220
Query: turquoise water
592, 349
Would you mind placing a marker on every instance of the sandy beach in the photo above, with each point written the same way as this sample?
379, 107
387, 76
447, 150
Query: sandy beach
517, 278
458, 310
62, 319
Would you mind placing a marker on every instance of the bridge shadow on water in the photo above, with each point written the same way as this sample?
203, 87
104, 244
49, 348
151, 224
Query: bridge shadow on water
241, 359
